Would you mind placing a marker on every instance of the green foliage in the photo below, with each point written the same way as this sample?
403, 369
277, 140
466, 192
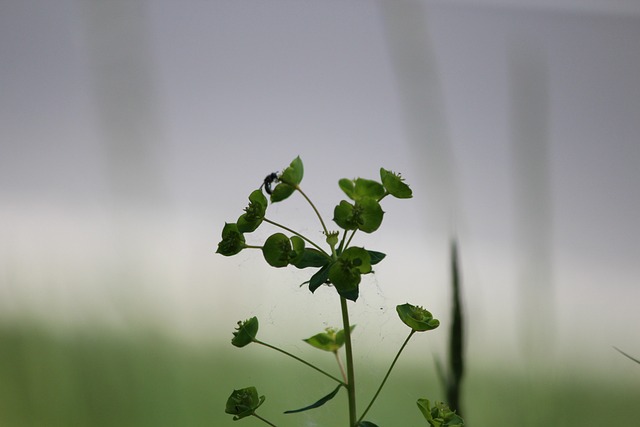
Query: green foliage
318, 403
232, 240
394, 184
329, 340
417, 318
440, 415
365, 214
280, 251
290, 178
311, 258
340, 265
246, 332
243, 403
347, 271
254, 213
360, 188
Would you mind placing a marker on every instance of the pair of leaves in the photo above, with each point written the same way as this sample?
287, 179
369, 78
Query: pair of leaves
365, 214
440, 415
254, 213
280, 251
330, 340
243, 403
246, 332
289, 180
346, 272
416, 317
394, 184
232, 240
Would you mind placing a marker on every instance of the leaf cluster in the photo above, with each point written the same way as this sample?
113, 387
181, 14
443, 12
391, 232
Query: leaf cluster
340, 264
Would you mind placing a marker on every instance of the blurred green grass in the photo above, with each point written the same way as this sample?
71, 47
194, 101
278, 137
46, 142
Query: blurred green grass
98, 378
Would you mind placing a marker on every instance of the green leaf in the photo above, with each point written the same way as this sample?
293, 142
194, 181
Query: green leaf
254, 213
297, 252
367, 188
346, 271
246, 332
440, 415
281, 192
365, 214
350, 294
416, 317
343, 215
348, 186
243, 403
394, 184
323, 341
293, 174
366, 424
340, 335
371, 215
376, 257
330, 340
289, 179
232, 240
361, 188
277, 250
311, 258
317, 404
320, 277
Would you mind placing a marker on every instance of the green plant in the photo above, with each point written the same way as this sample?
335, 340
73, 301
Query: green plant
340, 265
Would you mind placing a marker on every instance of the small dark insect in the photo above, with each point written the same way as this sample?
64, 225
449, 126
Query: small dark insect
268, 181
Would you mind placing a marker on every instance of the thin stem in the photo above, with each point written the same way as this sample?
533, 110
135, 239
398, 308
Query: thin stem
344, 375
384, 380
324, 227
300, 360
351, 378
263, 419
344, 237
350, 237
297, 234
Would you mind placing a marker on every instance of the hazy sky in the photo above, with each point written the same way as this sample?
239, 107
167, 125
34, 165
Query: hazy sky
133, 131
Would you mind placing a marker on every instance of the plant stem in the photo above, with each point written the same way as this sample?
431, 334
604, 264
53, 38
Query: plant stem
351, 380
266, 421
300, 360
324, 227
384, 380
350, 237
297, 234
344, 375
344, 238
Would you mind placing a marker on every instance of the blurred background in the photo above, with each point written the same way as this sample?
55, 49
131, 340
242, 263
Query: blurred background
130, 131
